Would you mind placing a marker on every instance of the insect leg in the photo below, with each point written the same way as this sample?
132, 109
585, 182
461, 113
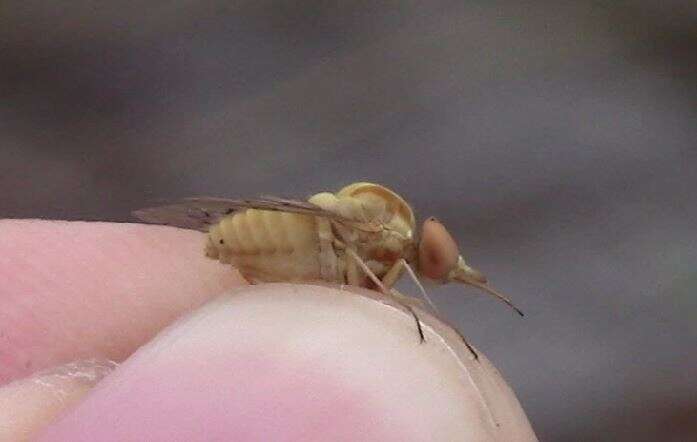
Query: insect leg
395, 272
418, 283
369, 273
422, 338
407, 300
385, 291
327, 255
467, 344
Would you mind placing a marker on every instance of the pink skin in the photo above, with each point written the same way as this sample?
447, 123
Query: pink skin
227, 389
272, 362
74, 291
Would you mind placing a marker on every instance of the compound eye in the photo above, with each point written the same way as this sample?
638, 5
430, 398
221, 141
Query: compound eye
438, 252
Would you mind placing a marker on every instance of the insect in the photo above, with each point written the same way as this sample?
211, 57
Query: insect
364, 235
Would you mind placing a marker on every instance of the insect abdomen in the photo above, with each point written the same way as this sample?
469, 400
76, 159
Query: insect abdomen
267, 245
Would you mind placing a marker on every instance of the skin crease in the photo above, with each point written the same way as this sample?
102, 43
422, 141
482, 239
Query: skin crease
102, 290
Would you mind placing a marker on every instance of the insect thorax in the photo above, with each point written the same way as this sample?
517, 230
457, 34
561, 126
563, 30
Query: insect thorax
378, 206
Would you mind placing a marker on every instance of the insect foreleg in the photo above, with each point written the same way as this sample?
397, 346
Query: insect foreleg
411, 272
357, 259
395, 272
369, 273
467, 344
422, 338
407, 302
424, 293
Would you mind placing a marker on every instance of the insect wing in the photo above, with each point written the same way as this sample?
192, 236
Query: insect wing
184, 215
199, 213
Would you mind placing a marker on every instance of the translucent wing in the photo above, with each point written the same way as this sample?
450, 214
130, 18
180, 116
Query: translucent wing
200, 213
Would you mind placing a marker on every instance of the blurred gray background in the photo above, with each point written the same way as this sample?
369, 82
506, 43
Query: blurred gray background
556, 139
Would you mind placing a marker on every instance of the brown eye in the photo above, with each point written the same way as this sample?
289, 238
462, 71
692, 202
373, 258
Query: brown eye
438, 253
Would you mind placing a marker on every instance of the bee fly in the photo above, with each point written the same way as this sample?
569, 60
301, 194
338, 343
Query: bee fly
363, 235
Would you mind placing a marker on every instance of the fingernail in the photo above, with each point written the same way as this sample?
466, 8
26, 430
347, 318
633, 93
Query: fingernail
86, 372
27, 405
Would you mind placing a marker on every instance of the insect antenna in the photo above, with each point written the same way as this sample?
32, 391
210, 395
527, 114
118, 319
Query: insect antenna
496, 294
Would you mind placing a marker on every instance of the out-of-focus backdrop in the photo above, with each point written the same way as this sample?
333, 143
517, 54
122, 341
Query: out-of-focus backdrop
557, 139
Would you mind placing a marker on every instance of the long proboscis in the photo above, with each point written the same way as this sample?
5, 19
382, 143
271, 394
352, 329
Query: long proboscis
495, 294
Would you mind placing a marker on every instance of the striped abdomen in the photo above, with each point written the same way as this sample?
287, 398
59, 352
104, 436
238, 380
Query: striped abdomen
268, 246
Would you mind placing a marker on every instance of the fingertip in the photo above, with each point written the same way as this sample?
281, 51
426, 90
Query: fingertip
299, 362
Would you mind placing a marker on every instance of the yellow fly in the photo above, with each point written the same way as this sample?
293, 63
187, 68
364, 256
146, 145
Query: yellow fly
363, 235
